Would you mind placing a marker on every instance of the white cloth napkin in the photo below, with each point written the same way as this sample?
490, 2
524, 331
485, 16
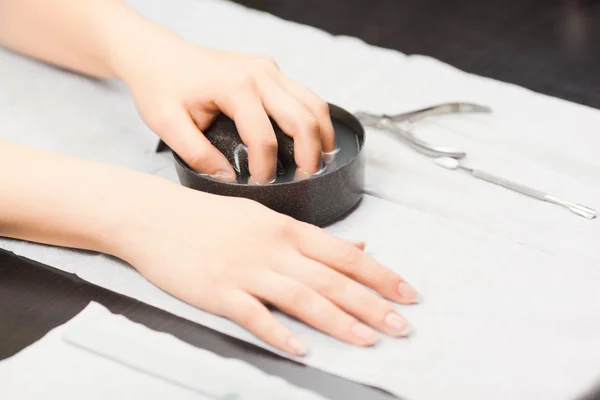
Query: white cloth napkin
512, 306
99, 355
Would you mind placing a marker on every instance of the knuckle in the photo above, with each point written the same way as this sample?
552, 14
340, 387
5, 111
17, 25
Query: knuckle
297, 295
162, 119
313, 230
322, 107
285, 226
245, 80
252, 319
308, 125
198, 158
331, 286
268, 140
350, 255
377, 306
267, 63
311, 125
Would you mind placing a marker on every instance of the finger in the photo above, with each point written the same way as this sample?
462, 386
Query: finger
307, 305
359, 244
257, 133
349, 295
317, 106
254, 316
296, 121
342, 256
182, 135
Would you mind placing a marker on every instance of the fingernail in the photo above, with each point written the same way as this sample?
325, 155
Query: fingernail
408, 293
397, 324
300, 175
322, 170
365, 333
329, 157
297, 346
224, 176
254, 181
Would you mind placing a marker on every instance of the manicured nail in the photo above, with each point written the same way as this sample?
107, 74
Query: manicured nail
322, 170
226, 176
300, 175
365, 333
297, 346
408, 293
329, 157
253, 181
397, 324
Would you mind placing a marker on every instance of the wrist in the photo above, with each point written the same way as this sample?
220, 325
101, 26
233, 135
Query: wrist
129, 41
137, 218
134, 206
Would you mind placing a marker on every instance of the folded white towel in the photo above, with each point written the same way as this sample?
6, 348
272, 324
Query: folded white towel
99, 355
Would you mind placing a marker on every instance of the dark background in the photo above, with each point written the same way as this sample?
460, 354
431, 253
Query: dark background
549, 46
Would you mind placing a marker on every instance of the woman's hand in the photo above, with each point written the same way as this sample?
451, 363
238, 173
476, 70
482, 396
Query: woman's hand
229, 256
225, 255
180, 88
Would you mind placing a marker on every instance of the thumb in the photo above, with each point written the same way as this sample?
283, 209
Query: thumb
183, 136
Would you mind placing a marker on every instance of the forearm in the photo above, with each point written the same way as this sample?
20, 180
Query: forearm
65, 201
89, 37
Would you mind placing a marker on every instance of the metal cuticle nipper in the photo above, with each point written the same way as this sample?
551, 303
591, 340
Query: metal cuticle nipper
402, 125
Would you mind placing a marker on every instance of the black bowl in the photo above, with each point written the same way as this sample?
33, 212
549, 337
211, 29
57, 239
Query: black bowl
318, 200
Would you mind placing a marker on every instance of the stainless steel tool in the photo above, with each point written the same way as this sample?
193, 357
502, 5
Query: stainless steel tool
403, 124
452, 163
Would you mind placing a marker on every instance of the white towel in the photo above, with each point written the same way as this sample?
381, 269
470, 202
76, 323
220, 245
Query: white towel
512, 306
99, 355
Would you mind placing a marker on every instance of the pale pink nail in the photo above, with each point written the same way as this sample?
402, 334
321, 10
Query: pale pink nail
365, 333
408, 293
397, 324
225, 176
254, 181
297, 346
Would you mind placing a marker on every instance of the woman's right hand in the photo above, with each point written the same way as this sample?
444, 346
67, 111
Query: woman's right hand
231, 256
180, 88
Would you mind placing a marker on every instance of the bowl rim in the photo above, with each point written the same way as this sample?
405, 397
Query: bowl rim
337, 113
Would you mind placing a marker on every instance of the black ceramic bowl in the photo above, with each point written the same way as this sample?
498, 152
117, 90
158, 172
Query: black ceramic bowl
319, 199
